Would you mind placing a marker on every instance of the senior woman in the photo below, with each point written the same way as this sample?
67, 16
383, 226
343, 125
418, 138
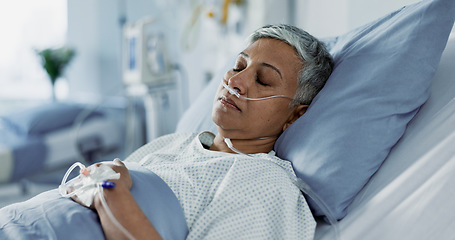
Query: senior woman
230, 185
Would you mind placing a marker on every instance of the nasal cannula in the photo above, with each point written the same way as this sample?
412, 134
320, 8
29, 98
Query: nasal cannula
237, 94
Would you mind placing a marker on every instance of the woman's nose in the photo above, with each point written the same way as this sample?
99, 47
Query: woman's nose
239, 82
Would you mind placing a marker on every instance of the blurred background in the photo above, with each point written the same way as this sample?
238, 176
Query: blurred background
137, 63
196, 37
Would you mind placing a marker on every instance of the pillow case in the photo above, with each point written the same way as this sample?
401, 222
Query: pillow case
382, 76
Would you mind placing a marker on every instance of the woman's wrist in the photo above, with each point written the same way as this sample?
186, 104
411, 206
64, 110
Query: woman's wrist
111, 194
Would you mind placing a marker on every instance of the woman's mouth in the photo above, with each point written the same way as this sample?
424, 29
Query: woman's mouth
229, 103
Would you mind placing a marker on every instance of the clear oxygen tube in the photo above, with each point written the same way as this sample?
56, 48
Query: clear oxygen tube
87, 184
231, 146
237, 94
304, 187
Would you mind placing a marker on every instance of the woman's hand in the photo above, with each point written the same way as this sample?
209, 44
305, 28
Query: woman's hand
119, 167
124, 181
121, 204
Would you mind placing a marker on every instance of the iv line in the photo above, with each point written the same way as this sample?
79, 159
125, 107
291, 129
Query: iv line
100, 191
237, 94
111, 215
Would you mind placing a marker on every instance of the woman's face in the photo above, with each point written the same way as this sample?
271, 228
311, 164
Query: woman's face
267, 67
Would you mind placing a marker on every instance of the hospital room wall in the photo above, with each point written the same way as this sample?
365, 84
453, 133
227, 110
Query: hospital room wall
95, 30
328, 18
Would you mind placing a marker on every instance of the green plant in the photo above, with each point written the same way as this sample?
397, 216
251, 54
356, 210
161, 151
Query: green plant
54, 61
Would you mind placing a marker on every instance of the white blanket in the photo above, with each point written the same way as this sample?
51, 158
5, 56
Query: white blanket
229, 196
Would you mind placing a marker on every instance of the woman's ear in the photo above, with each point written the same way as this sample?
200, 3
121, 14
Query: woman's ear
298, 112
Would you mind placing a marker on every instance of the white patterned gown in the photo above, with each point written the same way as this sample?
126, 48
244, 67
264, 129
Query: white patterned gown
229, 196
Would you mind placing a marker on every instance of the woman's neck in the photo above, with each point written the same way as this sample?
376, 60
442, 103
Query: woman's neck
247, 146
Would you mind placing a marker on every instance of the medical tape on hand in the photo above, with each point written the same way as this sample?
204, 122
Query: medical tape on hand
86, 187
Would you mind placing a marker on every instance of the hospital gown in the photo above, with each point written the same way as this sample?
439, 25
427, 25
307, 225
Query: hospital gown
229, 196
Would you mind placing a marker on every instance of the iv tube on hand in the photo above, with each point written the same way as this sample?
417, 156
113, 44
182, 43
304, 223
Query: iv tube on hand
237, 94
91, 182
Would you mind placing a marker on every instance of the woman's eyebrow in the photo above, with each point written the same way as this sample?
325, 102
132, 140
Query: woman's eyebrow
264, 64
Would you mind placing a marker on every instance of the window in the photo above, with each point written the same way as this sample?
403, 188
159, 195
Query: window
28, 25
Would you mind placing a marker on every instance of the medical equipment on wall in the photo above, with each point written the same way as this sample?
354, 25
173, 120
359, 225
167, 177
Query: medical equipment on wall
92, 181
145, 59
149, 76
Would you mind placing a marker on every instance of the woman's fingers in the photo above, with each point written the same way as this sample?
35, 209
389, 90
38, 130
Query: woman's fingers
115, 162
118, 162
118, 166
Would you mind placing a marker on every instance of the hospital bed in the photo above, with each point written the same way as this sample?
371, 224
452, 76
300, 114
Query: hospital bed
377, 144
412, 194
54, 135
391, 180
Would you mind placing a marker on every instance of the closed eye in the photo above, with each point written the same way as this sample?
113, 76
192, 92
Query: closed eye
258, 80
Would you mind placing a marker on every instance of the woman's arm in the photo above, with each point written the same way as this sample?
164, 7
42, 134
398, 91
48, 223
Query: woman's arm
124, 208
128, 214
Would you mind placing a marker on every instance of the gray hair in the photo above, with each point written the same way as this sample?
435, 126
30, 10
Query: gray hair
317, 61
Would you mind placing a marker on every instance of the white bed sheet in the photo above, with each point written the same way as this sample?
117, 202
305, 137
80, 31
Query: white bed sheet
412, 195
